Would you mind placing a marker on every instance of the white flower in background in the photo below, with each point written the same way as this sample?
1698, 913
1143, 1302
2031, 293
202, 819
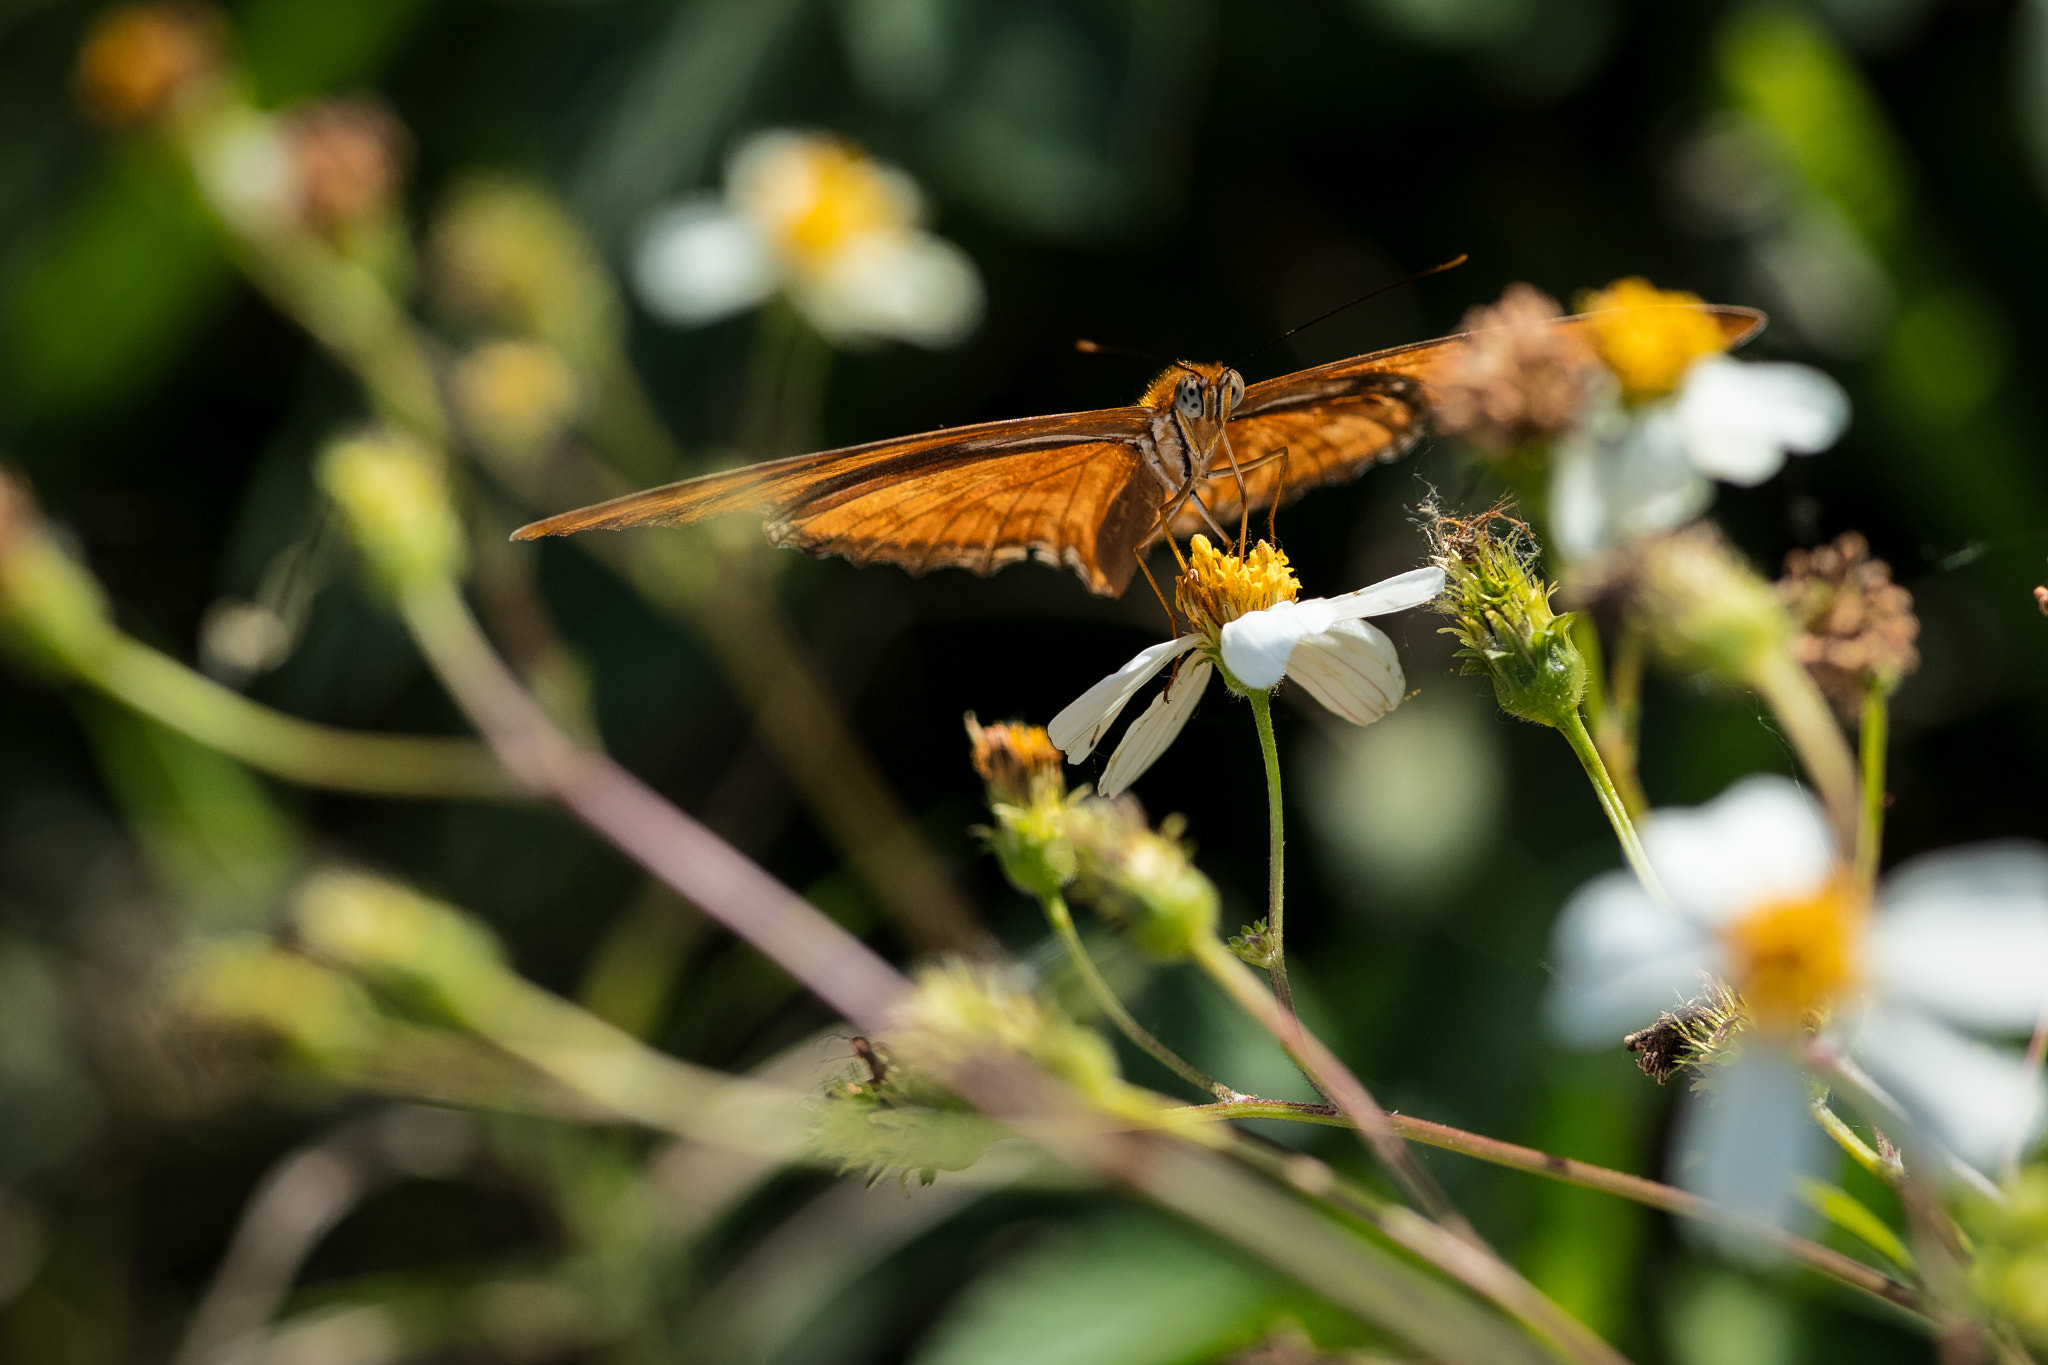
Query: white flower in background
1246, 619
1679, 415
1953, 942
836, 232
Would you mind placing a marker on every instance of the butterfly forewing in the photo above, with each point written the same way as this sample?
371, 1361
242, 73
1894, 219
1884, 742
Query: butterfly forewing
1081, 505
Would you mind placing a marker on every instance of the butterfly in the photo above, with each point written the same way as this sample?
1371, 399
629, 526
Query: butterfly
1088, 490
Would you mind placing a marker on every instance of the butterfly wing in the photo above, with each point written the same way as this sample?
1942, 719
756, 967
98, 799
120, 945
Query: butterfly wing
1062, 489
1336, 420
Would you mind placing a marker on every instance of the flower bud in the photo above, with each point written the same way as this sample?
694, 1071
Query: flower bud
349, 158
140, 62
1857, 627
1499, 606
516, 398
961, 1009
1650, 337
1519, 378
389, 933
391, 495
1143, 881
250, 985
508, 256
2010, 1267
1027, 795
1702, 606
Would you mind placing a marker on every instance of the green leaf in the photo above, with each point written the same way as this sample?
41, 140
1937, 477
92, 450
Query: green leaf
1119, 1290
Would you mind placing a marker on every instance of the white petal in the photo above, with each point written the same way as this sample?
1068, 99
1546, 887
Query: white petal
1158, 727
1966, 935
1622, 475
1982, 1102
1764, 839
1620, 959
911, 286
1579, 524
1741, 1143
1352, 669
1081, 726
1738, 420
1398, 593
1256, 646
698, 261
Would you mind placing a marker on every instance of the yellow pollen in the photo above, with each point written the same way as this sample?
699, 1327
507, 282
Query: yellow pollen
1648, 336
1794, 957
1219, 587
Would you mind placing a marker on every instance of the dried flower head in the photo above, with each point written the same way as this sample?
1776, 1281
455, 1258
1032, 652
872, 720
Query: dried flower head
1692, 1036
1649, 337
139, 62
1016, 760
1219, 586
1499, 606
349, 156
1520, 377
1857, 627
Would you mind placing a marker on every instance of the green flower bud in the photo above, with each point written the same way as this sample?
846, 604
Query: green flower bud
960, 1009
1141, 880
390, 492
1027, 795
400, 938
250, 985
1702, 606
508, 255
1499, 607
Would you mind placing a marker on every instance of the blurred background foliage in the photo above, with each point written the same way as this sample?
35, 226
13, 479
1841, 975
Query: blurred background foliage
1182, 178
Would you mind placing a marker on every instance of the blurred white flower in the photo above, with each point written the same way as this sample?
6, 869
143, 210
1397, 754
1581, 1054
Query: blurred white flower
1954, 941
835, 231
1627, 471
1245, 618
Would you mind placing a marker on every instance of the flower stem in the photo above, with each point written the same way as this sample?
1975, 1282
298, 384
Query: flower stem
1574, 732
1870, 827
1105, 999
1348, 1096
1276, 865
1622, 721
1810, 725
1649, 1193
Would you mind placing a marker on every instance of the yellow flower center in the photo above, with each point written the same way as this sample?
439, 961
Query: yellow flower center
1218, 587
1793, 957
817, 195
1016, 760
1648, 336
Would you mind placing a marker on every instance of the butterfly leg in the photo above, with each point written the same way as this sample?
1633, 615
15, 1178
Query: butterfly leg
1172, 623
1273, 508
1244, 498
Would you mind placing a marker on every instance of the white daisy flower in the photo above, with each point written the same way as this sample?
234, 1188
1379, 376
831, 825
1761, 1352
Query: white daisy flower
1247, 621
1626, 472
1953, 943
836, 232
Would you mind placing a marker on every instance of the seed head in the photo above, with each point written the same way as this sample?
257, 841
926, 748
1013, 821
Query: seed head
1519, 378
1143, 880
1856, 626
349, 156
1499, 606
1700, 603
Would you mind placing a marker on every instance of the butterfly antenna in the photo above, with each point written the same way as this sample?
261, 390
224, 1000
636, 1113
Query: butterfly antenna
1087, 347
1451, 264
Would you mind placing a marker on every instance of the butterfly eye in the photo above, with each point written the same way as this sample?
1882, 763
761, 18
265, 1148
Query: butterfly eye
1236, 389
1189, 399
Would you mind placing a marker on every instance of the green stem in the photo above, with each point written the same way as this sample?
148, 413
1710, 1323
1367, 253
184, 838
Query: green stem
1801, 709
1870, 828
1276, 866
1622, 721
1105, 999
1635, 1188
1574, 732
1859, 1151
284, 746
1331, 1077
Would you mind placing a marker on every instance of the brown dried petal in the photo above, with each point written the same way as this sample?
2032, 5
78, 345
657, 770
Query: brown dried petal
1857, 626
1014, 759
1520, 377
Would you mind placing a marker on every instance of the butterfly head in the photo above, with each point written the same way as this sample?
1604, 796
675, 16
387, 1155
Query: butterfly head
1201, 397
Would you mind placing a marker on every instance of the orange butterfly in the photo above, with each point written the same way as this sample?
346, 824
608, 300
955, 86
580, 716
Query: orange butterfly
1089, 490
